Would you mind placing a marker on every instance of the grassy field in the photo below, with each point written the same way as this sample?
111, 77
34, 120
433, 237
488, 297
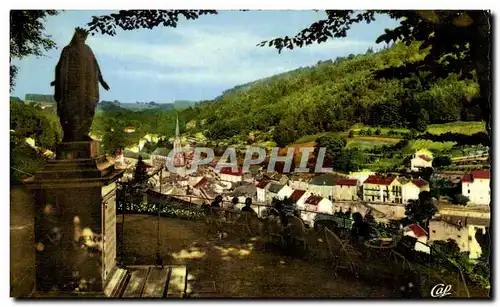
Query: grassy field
367, 142
467, 128
430, 145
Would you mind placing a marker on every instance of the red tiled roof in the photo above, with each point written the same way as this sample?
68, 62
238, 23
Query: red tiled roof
348, 182
375, 179
420, 183
229, 171
481, 174
200, 183
467, 178
262, 184
476, 175
313, 200
296, 195
425, 157
417, 230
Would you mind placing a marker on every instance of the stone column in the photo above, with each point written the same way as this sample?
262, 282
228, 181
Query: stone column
75, 220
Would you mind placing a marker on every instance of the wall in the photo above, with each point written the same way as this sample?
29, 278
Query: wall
345, 192
298, 185
323, 190
391, 211
464, 236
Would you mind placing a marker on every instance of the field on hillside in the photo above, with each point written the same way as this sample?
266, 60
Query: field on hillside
467, 128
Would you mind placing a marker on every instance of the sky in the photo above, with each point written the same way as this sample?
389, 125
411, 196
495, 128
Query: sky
198, 60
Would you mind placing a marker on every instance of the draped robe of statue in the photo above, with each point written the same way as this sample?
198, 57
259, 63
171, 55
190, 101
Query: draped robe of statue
77, 88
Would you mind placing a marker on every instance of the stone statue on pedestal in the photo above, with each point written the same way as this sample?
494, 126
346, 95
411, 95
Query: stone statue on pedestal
77, 78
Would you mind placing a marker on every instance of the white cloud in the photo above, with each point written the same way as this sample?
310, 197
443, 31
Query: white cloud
211, 55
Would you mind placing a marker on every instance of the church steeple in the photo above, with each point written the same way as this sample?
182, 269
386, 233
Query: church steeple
177, 126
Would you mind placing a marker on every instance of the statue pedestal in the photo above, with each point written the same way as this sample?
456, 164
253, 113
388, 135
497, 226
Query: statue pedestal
75, 220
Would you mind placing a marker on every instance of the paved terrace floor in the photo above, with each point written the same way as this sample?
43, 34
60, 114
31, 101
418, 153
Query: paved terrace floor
232, 267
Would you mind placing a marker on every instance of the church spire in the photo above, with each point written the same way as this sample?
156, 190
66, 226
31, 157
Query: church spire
177, 126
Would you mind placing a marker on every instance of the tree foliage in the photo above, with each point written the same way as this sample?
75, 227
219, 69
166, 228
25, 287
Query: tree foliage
27, 36
421, 210
137, 19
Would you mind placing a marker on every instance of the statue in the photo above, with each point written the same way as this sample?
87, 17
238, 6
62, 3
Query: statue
77, 79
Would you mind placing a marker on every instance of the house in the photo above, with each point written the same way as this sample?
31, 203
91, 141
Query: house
200, 189
345, 189
476, 186
416, 231
463, 230
319, 204
323, 185
381, 189
412, 188
299, 197
314, 204
261, 190
421, 159
276, 190
227, 174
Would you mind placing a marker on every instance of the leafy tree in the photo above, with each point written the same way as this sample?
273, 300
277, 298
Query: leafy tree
441, 160
421, 210
461, 199
27, 36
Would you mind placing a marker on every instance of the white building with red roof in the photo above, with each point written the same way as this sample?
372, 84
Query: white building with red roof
315, 204
476, 186
261, 187
345, 189
422, 159
416, 231
227, 174
412, 188
380, 189
299, 197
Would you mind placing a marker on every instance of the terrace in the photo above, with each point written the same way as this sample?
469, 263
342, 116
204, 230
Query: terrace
227, 259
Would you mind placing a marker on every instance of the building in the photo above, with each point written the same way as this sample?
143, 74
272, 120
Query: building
463, 230
345, 189
476, 187
381, 189
299, 197
261, 190
201, 189
159, 157
323, 185
411, 189
421, 159
417, 232
318, 204
276, 190
315, 204
227, 174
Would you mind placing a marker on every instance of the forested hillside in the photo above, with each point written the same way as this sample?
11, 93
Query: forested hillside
332, 96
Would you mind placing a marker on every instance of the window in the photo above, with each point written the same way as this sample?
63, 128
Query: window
468, 191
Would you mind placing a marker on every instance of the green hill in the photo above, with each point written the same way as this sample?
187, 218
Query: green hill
333, 95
